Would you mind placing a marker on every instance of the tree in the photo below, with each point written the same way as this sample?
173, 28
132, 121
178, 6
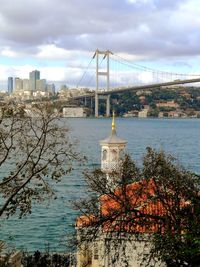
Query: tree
178, 242
160, 200
35, 151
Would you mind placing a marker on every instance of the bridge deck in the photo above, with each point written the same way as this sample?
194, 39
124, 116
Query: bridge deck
135, 88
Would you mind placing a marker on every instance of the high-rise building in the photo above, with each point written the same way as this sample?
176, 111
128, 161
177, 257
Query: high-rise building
10, 85
26, 85
41, 85
33, 76
18, 84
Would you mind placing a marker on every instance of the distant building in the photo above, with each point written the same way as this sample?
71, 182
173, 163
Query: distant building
185, 94
132, 113
143, 113
33, 76
41, 85
63, 87
18, 84
26, 85
39, 94
160, 115
65, 92
142, 99
34, 87
143, 92
74, 112
75, 92
176, 114
10, 85
51, 88
169, 104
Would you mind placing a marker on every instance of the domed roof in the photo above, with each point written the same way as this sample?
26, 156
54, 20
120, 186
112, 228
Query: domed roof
113, 138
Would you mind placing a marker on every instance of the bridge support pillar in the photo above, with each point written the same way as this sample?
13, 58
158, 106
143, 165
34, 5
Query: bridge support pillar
91, 105
96, 105
85, 102
108, 106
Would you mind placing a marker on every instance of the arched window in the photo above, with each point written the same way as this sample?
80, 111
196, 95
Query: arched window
114, 155
104, 154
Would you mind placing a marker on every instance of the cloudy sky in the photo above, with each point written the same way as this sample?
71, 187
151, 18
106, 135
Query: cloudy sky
59, 37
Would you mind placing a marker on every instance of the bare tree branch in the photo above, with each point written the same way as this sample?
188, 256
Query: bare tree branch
34, 150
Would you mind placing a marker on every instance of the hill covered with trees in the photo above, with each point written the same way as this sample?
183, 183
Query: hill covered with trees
184, 100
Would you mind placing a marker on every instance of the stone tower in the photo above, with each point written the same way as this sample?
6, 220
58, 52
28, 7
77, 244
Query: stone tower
112, 149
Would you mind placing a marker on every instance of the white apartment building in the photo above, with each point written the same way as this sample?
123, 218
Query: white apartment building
41, 85
74, 112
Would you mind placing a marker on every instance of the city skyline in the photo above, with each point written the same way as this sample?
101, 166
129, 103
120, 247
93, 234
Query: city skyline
28, 88
59, 40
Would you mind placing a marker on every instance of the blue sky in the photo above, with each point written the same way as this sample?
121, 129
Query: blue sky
59, 37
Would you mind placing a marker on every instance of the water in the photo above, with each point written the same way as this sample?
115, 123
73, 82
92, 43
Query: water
51, 222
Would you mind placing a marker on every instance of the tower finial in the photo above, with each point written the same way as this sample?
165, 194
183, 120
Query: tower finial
113, 120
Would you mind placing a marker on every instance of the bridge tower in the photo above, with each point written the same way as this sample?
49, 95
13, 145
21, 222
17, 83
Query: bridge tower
104, 54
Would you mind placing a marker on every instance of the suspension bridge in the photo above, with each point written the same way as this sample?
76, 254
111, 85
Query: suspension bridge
109, 73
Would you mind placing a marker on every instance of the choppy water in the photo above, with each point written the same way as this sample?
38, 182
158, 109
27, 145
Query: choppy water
49, 223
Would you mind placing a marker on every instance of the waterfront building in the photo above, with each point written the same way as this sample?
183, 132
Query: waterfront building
74, 112
143, 113
10, 85
131, 113
33, 77
134, 242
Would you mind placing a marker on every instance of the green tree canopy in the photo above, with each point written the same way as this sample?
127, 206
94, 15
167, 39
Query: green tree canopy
161, 197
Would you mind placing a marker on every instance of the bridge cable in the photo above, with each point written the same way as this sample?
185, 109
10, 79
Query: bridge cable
91, 78
85, 71
147, 69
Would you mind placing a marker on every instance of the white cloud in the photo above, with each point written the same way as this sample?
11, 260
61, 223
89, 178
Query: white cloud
52, 52
130, 78
59, 37
139, 1
8, 52
146, 77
